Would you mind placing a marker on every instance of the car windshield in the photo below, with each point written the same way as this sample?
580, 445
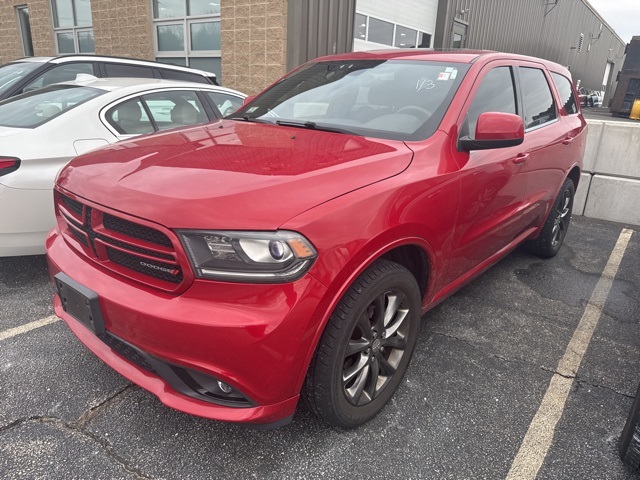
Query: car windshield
394, 99
13, 72
33, 109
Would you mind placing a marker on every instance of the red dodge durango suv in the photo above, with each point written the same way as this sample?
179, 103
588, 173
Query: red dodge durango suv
290, 250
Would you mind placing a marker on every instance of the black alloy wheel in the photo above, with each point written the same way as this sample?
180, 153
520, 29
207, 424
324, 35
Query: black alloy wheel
366, 347
556, 226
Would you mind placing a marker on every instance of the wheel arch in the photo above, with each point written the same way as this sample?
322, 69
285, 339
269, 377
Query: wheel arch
414, 253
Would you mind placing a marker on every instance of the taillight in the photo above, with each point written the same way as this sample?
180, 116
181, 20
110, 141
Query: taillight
8, 165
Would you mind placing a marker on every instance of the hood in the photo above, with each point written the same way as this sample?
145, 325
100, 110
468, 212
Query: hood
229, 174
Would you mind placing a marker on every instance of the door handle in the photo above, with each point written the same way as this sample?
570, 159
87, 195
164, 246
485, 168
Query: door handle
567, 140
521, 158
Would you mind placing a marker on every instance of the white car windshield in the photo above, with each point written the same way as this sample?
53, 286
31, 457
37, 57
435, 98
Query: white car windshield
13, 72
33, 109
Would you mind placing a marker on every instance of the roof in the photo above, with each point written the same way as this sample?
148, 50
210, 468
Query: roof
449, 55
106, 58
113, 84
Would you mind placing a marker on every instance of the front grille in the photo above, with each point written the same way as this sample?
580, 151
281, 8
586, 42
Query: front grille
162, 271
73, 205
127, 351
135, 230
122, 244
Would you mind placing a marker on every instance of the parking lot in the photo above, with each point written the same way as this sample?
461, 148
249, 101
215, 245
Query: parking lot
479, 399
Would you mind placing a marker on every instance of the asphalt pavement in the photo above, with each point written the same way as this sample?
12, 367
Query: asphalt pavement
485, 362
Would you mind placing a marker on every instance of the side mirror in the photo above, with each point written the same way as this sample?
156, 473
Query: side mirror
495, 130
248, 99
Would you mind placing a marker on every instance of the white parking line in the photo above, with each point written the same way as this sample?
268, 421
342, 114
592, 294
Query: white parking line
12, 332
537, 441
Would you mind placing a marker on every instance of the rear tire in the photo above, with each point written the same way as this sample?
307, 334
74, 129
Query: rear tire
366, 347
555, 228
630, 439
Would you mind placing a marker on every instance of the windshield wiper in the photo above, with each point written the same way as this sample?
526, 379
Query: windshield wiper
247, 118
312, 125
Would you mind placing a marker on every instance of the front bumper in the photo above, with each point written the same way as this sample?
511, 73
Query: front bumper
255, 338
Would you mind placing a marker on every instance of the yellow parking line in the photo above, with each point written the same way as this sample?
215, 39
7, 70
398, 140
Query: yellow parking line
12, 332
537, 441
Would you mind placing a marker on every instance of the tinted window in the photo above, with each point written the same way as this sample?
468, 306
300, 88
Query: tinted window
380, 32
496, 93
183, 76
130, 118
60, 73
119, 70
566, 93
175, 109
539, 107
227, 104
34, 109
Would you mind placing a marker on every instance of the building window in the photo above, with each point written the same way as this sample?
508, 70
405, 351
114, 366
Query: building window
72, 25
187, 33
379, 31
25, 30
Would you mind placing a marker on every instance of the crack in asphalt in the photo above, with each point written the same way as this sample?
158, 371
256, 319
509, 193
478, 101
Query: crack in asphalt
553, 371
79, 425
595, 385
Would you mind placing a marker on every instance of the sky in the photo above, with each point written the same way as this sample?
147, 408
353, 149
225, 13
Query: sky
622, 15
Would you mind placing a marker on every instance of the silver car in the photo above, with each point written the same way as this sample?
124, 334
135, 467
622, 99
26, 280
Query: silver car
42, 130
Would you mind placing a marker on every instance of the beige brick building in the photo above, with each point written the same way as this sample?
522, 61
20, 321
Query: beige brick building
243, 41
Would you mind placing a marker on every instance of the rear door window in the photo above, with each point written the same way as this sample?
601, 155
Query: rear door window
539, 107
130, 118
566, 93
175, 109
496, 93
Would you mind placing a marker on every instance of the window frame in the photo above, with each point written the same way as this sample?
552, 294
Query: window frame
367, 27
211, 111
551, 88
26, 38
576, 98
74, 30
476, 87
187, 53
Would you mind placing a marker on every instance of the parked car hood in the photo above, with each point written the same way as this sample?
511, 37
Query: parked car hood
229, 174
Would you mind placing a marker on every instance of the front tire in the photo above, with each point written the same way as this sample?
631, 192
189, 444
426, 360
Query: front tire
555, 228
366, 346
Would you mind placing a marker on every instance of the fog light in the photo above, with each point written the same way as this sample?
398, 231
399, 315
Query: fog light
224, 387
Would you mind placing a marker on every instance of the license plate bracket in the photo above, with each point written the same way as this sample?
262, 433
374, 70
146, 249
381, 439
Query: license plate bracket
80, 302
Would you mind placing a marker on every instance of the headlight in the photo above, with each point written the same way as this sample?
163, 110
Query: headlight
261, 257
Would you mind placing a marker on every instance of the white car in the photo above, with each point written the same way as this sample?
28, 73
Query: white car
42, 130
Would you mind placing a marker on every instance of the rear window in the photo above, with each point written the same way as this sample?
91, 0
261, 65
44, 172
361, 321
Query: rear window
34, 109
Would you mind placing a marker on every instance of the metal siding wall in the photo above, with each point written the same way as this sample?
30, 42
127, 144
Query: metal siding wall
520, 26
318, 27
